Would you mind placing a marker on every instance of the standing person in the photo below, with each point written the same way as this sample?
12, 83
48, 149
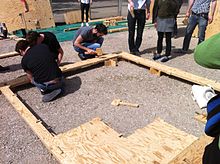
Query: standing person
164, 12
41, 68
200, 16
85, 5
88, 39
47, 38
137, 14
175, 31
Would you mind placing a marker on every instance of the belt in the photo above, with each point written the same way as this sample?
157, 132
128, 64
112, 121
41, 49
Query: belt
201, 14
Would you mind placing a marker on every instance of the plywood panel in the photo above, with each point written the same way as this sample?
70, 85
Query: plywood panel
39, 15
95, 142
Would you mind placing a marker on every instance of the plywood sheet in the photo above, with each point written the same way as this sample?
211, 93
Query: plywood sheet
39, 15
95, 142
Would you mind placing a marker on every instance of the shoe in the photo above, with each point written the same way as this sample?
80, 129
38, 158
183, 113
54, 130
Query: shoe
4, 68
157, 56
51, 96
82, 24
81, 56
165, 58
87, 24
180, 51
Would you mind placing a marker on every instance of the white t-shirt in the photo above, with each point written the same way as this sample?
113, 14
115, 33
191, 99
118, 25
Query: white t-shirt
85, 1
138, 4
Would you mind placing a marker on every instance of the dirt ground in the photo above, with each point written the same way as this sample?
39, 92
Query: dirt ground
90, 92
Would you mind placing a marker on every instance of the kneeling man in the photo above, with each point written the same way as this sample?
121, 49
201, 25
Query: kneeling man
42, 69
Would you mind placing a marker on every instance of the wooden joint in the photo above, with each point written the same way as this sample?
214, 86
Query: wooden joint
111, 62
155, 71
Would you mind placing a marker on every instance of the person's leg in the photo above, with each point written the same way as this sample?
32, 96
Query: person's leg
160, 42
175, 30
141, 19
87, 12
131, 31
82, 12
203, 22
193, 21
168, 43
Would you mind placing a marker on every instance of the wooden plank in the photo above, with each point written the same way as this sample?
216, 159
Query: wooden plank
71, 17
172, 71
111, 63
67, 68
193, 153
45, 136
159, 142
7, 55
155, 71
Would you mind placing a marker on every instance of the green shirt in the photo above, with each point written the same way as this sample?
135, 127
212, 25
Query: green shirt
207, 53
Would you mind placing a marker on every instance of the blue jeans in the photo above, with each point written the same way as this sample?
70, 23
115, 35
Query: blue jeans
194, 20
48, 87
92, 46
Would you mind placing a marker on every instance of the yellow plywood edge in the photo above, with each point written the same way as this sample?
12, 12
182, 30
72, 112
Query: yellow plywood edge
172, 71
193, 153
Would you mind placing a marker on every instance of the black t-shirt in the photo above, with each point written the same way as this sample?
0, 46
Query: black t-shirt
40, 61
51, 40
212, 153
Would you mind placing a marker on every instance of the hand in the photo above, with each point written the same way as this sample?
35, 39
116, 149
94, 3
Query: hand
91, 52
187, 14
155, 24
147, 16
210, 19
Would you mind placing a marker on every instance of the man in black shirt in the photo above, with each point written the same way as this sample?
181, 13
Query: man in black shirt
42, 69
47, 38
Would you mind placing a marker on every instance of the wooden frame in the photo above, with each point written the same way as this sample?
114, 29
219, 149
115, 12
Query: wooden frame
55, 143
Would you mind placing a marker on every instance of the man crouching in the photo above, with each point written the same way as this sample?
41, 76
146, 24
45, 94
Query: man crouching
42, 69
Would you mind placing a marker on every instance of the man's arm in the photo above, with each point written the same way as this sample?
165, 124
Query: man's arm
78, 44
213, 7
191, 2
29, 76
60, 55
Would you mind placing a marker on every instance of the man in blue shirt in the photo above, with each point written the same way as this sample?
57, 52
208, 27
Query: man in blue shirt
200, 16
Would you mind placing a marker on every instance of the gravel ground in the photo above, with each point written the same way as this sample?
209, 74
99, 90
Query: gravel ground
90, 94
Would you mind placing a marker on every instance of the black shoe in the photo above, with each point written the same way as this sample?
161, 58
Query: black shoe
4, 68
180, 51
52, 95
165, 58
157, 56
81, 56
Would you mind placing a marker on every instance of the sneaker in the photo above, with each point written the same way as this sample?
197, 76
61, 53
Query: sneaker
165, 58
87, 24
81, 56
82, 24
157, 56
51, 96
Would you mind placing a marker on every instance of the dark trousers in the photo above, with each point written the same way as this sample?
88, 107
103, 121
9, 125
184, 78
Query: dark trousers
84, 7
168, 36
140, 19
175, 30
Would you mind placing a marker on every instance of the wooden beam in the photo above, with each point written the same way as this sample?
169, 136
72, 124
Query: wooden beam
194, 152
10, 54
67, 68
172, 71
155, 71
36, 125
111, 62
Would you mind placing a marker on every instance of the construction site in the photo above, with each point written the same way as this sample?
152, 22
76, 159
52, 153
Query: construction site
117, 108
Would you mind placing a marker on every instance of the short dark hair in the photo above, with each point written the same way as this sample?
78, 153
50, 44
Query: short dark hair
32, 37
21, 45
101, 28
